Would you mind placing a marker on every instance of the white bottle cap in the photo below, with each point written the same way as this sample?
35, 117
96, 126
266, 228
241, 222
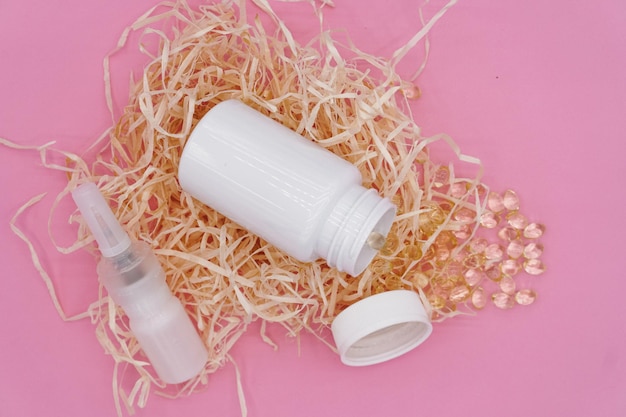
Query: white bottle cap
380, 327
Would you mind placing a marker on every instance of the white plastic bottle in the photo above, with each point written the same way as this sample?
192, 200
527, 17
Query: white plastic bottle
135, 280
295, 194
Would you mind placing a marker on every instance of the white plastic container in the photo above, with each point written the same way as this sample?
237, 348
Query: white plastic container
293, 193
135, 280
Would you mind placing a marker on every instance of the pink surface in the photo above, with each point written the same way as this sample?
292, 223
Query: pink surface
535, 89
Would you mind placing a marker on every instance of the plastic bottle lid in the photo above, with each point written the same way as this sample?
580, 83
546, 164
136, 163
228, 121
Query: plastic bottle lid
380, 327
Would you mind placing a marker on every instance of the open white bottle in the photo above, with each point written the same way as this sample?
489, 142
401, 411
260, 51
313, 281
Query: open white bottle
298, 196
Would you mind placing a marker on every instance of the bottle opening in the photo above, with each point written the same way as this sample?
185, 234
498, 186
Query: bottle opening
356, 230
375, 239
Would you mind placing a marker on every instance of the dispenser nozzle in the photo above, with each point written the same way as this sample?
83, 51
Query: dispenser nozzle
112, 239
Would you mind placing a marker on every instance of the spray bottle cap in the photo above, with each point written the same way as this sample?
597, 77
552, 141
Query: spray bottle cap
380, 327
112, 239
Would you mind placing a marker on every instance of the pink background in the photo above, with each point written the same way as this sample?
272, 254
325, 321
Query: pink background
534, 88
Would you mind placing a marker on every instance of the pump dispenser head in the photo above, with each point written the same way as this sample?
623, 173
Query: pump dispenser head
112, 239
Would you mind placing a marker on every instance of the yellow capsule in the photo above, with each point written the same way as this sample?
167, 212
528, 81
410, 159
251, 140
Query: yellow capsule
427, 228
459, 294
515, 249
465, 215
437, 215
464, 232
509, 267
507, 285
517, 220
478, 244
447, 240
508, 233
525, 297
391, 246
473, 277
378, 288
502, 300
441, 176
393, 282
533, 250
489, 219
479, 299
454, 270
433, 213
442, 254
534, 267
376, 241
422, 157
446, 206
510, 200
494, 202
412, 92
494, 252
458, 189
534, 231
482, 191
398, 266
437, 302
412, 252
474, 260
460, 255
428, 257
380, 266
493, 273
398, 201
446, 284
419, 280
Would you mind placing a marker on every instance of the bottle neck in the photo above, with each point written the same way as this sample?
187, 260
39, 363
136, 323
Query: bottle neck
358, 213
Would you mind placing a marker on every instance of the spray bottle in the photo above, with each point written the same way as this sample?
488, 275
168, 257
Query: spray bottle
135, 280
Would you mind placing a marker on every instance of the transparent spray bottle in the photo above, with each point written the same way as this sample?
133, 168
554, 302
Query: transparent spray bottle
135, 280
